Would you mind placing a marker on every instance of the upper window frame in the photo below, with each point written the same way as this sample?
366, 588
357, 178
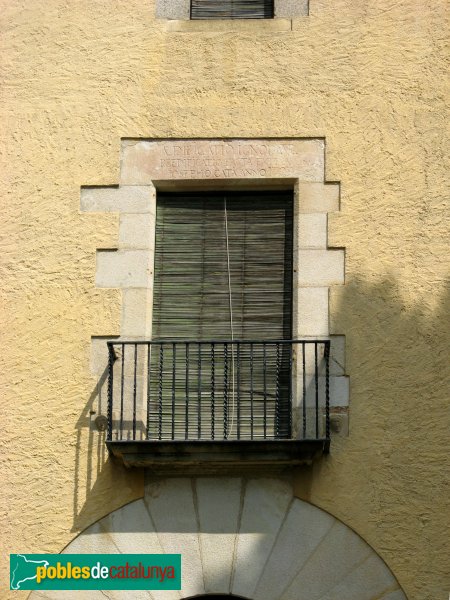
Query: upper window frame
180, 10
230, 9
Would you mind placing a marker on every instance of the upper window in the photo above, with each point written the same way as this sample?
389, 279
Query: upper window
229, 10
232, 9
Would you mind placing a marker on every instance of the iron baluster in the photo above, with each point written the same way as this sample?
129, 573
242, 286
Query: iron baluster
199, 392
238, 394
225, 391
304, 388
264, 390
212, 390
174, 366
134, 391
111, 359
148, 390
251, 391
277, 392
289, 407
316, 378
186, 390
160, 391
327, 390
122, 375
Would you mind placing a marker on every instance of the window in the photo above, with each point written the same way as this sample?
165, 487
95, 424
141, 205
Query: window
272, 11
232, 9
221, 252
223, 271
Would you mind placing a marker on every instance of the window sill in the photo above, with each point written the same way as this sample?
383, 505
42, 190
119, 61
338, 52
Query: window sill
229, 25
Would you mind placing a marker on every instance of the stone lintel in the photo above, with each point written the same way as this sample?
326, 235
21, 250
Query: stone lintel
144, 161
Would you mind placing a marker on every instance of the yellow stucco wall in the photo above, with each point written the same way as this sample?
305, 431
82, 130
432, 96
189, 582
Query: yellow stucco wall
368, 75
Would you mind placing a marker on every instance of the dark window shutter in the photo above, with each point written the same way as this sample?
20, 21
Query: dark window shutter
231, 9
195, 269
191, 293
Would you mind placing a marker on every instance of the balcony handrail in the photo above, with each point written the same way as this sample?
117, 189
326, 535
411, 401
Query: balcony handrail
324, 340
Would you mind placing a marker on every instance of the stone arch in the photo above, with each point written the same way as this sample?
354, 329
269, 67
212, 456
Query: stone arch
242, 537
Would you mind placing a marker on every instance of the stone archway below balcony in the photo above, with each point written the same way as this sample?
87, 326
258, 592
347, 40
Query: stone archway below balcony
239, 537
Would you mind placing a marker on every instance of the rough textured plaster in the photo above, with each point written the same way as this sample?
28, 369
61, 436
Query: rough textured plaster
368, 76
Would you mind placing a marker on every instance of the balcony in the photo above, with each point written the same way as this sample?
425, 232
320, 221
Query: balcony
218, 406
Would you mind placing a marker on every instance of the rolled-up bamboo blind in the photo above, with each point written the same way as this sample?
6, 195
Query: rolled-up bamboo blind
231, 9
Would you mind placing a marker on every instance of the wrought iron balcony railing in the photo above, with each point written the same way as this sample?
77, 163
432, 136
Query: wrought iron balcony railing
160, 391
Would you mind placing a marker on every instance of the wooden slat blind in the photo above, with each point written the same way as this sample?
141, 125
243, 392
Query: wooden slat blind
191, 292
194, 267
231, 9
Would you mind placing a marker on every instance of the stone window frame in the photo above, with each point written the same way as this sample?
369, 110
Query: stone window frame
180, 10
317, 267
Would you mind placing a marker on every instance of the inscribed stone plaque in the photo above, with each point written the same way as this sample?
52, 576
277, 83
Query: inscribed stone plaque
145, 161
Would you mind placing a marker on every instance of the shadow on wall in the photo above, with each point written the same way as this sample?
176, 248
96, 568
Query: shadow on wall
96, 455
396, 353
100, 484
397, 359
